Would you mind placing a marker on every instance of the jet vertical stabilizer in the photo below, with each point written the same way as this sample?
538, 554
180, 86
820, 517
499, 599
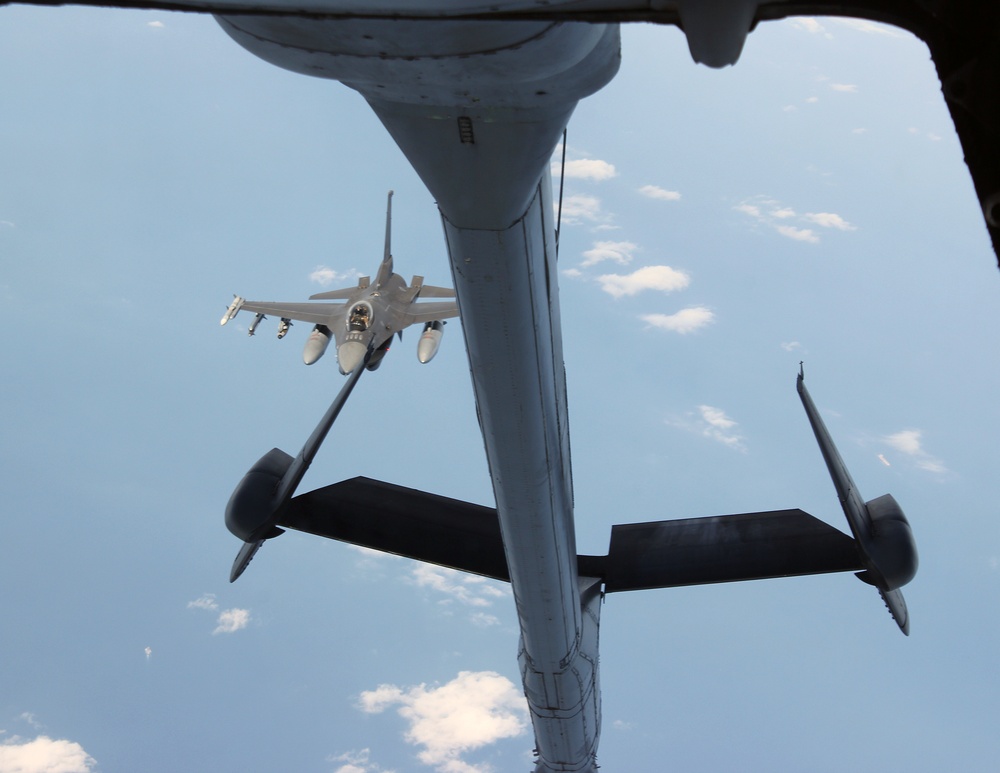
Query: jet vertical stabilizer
385, 270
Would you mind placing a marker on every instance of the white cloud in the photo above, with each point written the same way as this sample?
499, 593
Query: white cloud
773, 214
881, 458
663, 278
619, 252
206, 601
587, 169
579, 207
908, 442
859, 130
156, 25
748, 209
812, 100
829, 220
798, 234
149, 652
807, 23
326, 276
44, 755
720, 427
472, 711
714, 424
656, 192
574, 273
684, 321
847, 88
356, 761
868, 27
469, 589
791, 346
232, 620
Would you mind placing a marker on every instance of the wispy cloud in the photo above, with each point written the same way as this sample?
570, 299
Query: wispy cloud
684, 321
44, 754
580, 208
908, 442
785, 221
229, 620
712, 423
619, 252
149, 652
205, 601
829, 220
868, 27
325, 276
587, 169
719, 427
232, 620
356, 761
473, 710
662, 278
156, 25
468, 589
791, 346
808, 24
656, 192
847, 88
798, 234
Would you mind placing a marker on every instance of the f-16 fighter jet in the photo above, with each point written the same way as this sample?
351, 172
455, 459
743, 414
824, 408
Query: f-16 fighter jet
372, 313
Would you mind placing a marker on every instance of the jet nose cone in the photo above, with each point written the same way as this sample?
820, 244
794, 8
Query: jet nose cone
350, 355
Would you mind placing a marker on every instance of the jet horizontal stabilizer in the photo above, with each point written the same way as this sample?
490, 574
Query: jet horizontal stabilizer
430, 291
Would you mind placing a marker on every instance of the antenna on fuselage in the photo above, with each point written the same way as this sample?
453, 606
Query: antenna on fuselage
562, 178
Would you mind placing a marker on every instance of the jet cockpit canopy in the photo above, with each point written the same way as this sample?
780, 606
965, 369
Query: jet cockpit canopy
360, 318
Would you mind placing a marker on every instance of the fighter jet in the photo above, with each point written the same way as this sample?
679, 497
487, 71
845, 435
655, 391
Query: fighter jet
367, 321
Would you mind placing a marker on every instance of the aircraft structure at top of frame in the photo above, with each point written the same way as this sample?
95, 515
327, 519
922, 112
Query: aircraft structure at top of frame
963, 37
476, 95
477, 107
362, 326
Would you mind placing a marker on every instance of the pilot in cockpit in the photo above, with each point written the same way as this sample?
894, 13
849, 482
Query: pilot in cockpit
360, 318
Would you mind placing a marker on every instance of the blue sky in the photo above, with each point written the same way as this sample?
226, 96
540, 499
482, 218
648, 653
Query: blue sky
809, 203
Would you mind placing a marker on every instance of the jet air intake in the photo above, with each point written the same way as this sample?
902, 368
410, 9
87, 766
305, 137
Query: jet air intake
319, 339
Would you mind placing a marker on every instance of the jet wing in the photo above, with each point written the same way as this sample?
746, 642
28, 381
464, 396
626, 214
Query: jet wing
431, 312
315, 313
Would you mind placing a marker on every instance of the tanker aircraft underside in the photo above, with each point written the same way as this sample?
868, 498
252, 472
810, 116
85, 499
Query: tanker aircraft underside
476, 95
